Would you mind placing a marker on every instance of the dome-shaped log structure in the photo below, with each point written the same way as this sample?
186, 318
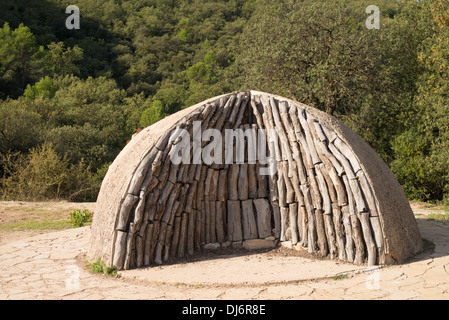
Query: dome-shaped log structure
325, 189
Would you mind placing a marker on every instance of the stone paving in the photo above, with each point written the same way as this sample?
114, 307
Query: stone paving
49, 267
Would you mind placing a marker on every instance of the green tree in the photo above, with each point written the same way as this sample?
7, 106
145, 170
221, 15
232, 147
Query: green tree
22, 60
421, 151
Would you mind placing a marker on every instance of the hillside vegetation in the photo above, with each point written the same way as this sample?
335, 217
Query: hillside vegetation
71, 99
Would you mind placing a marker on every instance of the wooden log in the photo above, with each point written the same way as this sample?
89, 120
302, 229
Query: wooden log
357, 234
321, 233
369, 240
191, 197
315, 190
233, 182
225, 113
342, 198
269, 125
214, 185
163, 140
378, 237
213, 223
125, 211
256, 113
175, 238
282, 188
323, 189
219, 221
311, 232
339, 231
284, 222
200, 188
290, 190
202, 217
276, 218
348, 170
207, 215
331, 237
234, 112
293, 212
139, 250
235, 231
348, 153
368, 194
130, 258
151, 243
183, 235
249, 221
243, 188
156, 166
263, 213
285, 144
192, 173
323, 149
252, 181
241, 112
141, 172
161, 203
300, 138
198, 230
349, 242
358, 240
120, 249
308, 135
222, 185
302, 225
358, 196
191, 233
262, 183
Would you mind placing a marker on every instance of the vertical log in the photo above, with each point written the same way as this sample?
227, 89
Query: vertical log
249, 221
293, 211
284, 223
207, 216
263, 213
213, 224
219, 206
234, 221
191, 233
282, 189
120, 249
375, 223
302, 225
233, 182
175, 238
349, 239
368, 236
183, 235
243, 190
252, 181
198, 230
339, 231
222, 185
311, 232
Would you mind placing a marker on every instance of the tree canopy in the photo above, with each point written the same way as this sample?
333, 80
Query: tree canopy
82, 93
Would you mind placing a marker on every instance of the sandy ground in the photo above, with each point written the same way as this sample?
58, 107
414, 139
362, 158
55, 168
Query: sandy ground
50, 265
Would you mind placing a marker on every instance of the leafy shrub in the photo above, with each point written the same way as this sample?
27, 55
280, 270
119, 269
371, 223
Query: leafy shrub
100, 267
43, 175
79, 218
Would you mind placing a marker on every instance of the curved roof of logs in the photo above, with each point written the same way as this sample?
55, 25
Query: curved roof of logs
331, 192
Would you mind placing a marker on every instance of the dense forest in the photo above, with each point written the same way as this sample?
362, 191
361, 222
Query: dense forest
70, 99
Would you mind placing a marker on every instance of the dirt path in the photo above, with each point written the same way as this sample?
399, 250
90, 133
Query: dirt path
50, 266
